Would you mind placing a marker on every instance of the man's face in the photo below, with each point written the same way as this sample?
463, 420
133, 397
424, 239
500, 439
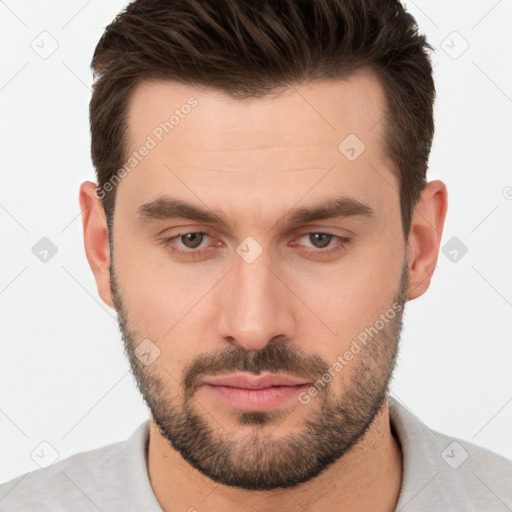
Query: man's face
266, 291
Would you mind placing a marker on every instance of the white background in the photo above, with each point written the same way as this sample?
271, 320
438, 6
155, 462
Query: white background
63, 375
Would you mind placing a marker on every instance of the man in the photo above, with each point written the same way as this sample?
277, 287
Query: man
260, 219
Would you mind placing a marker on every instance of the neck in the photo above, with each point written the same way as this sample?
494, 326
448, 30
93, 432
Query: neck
367, 477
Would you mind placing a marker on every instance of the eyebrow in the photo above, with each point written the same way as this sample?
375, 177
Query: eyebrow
168, 208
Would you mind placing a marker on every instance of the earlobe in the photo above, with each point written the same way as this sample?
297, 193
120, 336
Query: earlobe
425, 237
96, 242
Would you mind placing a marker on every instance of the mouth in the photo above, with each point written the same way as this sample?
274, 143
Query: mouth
255, 393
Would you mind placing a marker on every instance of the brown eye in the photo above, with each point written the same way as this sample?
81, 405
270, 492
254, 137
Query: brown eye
192, 240
320, 240
186, 244
321, 244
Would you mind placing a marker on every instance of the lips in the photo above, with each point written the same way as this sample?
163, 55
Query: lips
245, 381
245, 392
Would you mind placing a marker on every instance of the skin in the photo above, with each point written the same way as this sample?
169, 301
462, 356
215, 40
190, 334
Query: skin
253, 161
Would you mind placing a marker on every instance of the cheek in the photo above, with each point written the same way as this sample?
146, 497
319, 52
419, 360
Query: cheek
168, 303
352, 294
154, 288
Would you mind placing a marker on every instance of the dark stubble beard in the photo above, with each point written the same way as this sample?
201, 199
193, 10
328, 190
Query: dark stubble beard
338, 418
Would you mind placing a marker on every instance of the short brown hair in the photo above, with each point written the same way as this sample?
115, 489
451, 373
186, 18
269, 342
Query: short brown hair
249, 48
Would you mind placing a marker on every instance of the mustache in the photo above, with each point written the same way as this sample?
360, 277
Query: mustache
275, 357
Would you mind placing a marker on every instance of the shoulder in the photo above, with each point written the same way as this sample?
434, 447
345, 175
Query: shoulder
443, 472
113, 477
472, 477
47, 489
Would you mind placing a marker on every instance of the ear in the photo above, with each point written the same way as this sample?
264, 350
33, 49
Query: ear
425, 237
96, 239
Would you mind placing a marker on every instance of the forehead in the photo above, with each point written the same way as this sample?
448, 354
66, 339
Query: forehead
325, 111
309, 139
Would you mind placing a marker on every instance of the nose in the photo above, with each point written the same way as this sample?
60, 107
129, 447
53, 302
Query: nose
256, 305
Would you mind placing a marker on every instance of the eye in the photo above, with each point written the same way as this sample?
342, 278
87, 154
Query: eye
322, 240
189, 244
319, 240
190, 241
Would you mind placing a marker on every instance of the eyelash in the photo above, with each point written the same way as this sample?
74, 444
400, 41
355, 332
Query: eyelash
343, 242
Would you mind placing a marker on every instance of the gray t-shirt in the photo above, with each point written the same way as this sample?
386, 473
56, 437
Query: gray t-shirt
441, 473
